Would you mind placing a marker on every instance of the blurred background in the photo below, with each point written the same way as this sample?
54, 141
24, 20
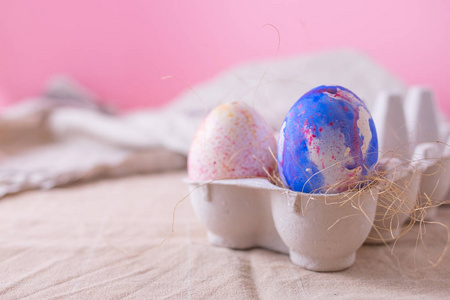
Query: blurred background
135, 81
122, 49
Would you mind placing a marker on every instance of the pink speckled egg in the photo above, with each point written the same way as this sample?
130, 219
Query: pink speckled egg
233, 142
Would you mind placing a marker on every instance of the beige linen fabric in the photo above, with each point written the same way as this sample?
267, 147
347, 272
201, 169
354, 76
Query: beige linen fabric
69, 243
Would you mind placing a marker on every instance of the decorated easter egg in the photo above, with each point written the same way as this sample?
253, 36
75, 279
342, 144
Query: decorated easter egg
234, 141
328, 142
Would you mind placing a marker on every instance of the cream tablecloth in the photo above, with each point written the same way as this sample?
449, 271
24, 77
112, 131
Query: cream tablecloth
88, 241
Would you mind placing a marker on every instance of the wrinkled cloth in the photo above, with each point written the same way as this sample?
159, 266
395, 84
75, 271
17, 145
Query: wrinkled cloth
65, 135
89, 242
33, 156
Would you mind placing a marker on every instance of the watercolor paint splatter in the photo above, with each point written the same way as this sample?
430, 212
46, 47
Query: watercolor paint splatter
327, 143
232, 142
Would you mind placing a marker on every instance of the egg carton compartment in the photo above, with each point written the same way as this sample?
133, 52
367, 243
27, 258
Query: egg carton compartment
397, 199
410, 129
237, 213
321, 232
433, 165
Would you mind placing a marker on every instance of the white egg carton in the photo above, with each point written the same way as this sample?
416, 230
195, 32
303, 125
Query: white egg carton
320, 232
323, 232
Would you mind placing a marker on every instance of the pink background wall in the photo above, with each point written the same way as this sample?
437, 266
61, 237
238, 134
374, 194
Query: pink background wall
121, 49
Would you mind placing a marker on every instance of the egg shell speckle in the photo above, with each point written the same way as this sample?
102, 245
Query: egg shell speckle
232, 142
327, 143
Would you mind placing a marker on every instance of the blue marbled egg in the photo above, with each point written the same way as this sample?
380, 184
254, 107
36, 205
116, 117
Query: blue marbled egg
327, 143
